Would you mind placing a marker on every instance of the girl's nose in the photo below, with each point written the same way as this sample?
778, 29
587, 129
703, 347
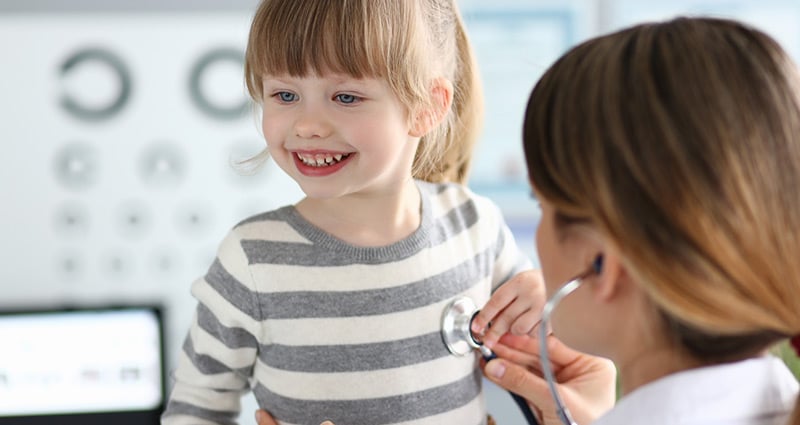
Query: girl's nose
312, 123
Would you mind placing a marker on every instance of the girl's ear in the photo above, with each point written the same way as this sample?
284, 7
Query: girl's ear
427, 119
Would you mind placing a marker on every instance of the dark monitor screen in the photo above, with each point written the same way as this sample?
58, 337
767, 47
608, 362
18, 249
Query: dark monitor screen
82, 366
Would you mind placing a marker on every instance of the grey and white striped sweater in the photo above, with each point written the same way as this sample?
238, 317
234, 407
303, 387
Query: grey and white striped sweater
320, 329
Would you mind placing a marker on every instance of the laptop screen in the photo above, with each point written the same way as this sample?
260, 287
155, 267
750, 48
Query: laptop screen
77, 363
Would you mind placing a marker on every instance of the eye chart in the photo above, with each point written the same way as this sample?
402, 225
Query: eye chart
119, 133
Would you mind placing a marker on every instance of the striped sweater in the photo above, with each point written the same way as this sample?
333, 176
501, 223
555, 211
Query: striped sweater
320, 329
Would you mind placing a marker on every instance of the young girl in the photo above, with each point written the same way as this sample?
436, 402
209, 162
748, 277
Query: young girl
331, 308
671, 152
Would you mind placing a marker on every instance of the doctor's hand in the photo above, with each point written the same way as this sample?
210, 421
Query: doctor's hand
587, 384
264, 418
515, 307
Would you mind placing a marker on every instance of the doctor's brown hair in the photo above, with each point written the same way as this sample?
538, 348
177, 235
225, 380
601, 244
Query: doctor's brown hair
407, 43
680, 141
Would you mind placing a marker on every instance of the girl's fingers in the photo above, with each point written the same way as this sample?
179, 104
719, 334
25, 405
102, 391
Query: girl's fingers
502, 324
496, 304
526, 323
515, 307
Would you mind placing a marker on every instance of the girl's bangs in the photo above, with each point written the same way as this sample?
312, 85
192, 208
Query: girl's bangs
328, 36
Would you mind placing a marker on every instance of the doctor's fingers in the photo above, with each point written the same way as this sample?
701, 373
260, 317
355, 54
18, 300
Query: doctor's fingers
560, 354
587, 399
565, 362
264, 418
587, 383
589, 377
521, 381
521, 350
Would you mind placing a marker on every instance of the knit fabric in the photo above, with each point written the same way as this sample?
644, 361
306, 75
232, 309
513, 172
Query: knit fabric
320, 329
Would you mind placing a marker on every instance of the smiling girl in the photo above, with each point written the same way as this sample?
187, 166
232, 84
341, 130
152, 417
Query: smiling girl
331, 308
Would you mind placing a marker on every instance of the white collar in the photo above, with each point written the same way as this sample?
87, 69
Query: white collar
754, 391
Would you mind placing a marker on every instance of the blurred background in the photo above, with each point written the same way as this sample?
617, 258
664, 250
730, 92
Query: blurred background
119, 121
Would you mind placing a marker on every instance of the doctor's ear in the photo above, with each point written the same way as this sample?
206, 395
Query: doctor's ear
610, 275
430, 117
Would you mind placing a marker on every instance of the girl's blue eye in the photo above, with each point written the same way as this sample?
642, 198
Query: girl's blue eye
286, 96
346, 98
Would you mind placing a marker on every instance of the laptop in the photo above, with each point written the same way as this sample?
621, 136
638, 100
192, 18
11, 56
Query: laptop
84, 365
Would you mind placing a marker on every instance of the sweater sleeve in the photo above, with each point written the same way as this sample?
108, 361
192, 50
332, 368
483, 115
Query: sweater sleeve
509, 258
216, 363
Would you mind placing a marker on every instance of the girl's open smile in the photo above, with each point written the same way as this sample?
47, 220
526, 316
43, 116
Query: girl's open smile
320, 163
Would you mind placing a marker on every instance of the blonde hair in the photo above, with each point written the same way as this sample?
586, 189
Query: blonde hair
681, 142
407, 43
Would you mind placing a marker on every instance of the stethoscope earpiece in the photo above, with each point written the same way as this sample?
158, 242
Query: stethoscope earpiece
597, 264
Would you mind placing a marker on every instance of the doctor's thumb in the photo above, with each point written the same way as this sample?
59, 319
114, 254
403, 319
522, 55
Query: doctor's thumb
264, 418
518, 380
495, 369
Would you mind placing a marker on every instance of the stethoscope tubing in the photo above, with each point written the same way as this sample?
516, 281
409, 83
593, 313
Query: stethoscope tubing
521, 402
547, 370
525, 408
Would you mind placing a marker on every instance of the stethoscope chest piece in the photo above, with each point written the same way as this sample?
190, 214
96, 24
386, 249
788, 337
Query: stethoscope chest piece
457, 336
456, 322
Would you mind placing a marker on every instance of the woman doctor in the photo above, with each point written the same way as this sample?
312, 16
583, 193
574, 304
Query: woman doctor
668, 156
666, 160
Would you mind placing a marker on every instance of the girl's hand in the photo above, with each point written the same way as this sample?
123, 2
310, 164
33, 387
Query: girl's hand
586, 383
264, 418
516, 307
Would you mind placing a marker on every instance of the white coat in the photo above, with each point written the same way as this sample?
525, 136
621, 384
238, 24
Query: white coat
760, 391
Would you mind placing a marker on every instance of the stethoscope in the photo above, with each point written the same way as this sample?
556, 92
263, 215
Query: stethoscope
458, 337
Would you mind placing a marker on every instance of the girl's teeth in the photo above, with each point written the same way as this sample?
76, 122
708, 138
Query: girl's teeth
320, 160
